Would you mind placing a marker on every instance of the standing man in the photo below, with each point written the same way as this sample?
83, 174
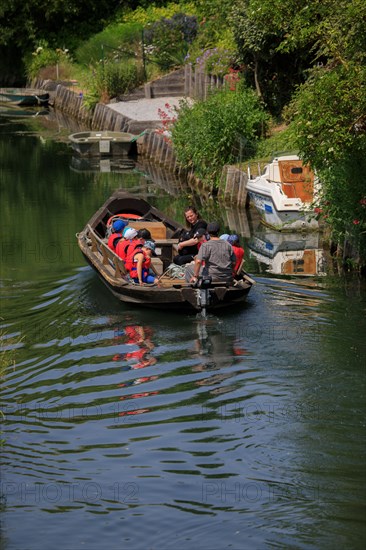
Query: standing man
216, 256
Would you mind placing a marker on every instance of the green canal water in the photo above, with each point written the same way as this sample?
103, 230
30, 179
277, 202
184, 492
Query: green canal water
128, 428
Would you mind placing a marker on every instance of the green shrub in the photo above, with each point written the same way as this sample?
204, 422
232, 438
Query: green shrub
42, 57
166, 41
152, 13
110, 79
208, 134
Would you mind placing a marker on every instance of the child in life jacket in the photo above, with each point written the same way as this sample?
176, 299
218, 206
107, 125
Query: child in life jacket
116, 235
238, 251
128, 240
138, 261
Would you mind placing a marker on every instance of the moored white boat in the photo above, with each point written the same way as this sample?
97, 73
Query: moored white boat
284, 194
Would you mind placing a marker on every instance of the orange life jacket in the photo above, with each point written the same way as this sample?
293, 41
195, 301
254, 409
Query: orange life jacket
113, 240
131, 266
124, 246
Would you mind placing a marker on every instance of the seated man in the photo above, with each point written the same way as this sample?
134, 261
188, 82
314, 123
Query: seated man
218, 258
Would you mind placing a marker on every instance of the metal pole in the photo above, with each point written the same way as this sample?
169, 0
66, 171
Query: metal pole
143, 54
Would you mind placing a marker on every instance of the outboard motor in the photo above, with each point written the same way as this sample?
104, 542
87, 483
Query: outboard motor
203, 297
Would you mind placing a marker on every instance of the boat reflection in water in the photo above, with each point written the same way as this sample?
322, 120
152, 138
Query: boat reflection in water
137, 340
288, 253
11, 111
216, 356
99, 164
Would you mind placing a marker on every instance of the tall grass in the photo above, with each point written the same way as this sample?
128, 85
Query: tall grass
116, 40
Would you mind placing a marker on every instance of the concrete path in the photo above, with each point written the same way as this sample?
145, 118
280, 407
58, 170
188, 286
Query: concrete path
147, 109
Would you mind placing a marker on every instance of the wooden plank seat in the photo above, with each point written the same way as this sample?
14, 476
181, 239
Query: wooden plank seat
169, 282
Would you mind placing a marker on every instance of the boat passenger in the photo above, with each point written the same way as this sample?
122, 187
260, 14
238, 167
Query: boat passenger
138, 263
129, 237
187, 246
201, 237
116, 235
224, 236
218, 258
144, 234
238, 251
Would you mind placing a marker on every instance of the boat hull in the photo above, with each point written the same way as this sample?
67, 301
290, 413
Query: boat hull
176, 299
284, 193
290, 220
96, 144
24, 97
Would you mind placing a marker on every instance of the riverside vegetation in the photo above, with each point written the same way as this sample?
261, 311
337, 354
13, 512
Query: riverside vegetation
302, 82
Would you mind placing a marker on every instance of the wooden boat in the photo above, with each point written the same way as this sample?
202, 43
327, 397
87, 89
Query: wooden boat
24, 96
170, 292
284, 194
103, 143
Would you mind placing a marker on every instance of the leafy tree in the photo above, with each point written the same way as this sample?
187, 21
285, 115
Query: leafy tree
263, 30
62, 23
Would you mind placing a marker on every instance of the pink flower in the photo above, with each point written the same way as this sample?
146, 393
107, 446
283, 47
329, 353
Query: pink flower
318, 210
356, 222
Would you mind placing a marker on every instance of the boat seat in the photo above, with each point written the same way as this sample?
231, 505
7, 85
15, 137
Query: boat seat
157, 229
170, 282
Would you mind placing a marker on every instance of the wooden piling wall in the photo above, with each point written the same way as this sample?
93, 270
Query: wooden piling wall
72, 104
233, 185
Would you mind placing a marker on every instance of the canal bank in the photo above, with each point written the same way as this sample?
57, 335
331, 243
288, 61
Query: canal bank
146, 115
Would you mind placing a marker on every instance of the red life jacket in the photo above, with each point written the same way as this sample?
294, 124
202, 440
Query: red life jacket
131, 266
239, 254
123, 247
113, 240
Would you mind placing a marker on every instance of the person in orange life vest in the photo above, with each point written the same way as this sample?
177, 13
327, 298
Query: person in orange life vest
129, 238
238, 251
138, 261
116, 235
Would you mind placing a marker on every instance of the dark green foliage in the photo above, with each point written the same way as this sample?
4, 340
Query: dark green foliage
330, 123
166, 41
208, 134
